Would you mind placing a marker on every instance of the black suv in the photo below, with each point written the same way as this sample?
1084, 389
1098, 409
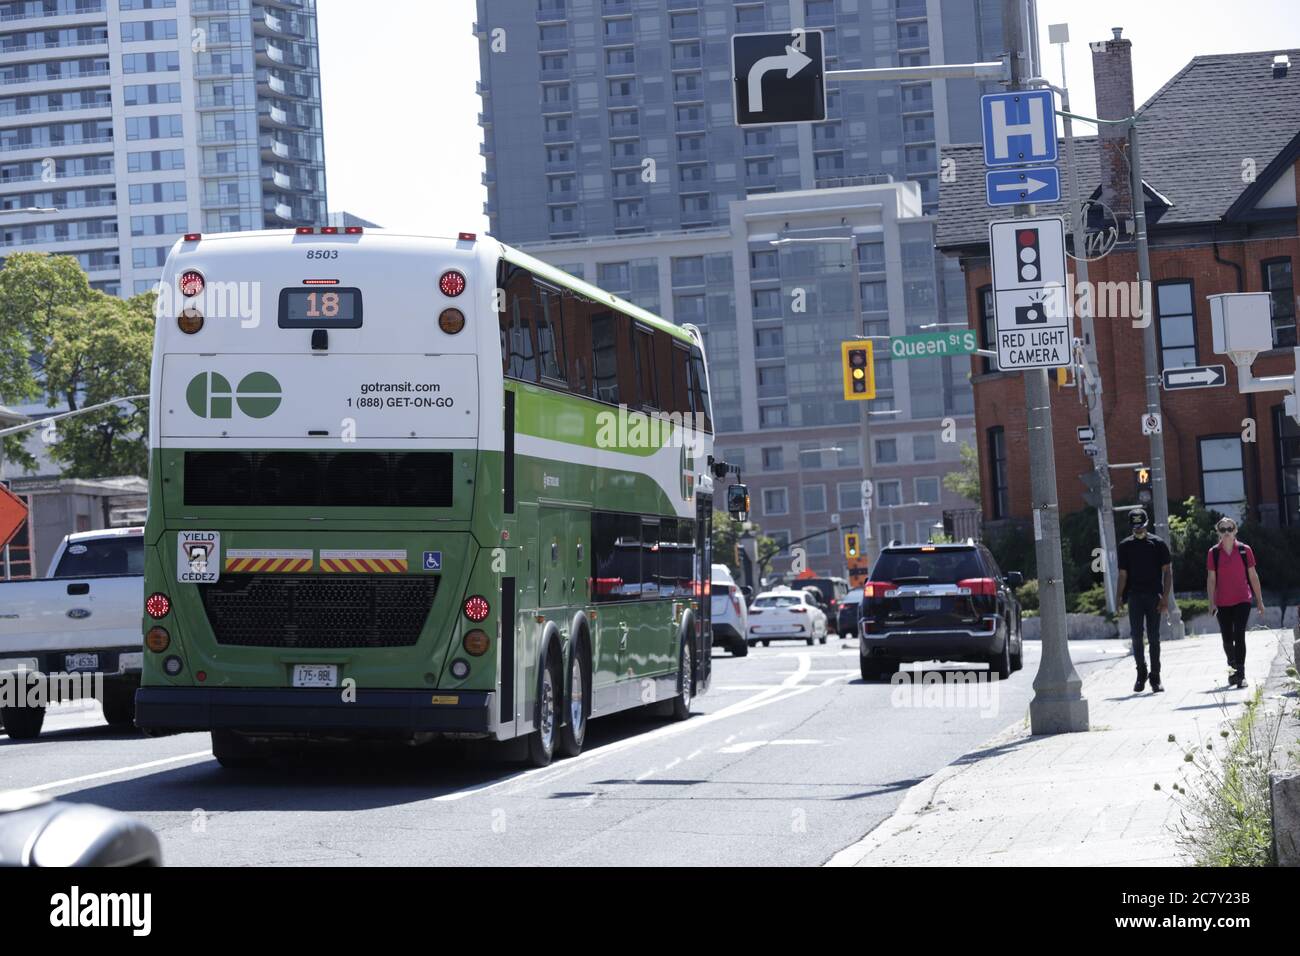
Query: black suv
945, 602
832, 591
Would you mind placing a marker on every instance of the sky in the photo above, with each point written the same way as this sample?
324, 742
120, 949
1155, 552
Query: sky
401, 115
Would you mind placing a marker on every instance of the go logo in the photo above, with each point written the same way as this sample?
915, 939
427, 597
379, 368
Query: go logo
209, 395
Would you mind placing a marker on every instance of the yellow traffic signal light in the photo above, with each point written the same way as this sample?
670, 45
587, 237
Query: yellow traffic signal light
851, 546
859, 370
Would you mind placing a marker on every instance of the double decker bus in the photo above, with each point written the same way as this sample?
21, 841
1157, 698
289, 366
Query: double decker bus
415, 487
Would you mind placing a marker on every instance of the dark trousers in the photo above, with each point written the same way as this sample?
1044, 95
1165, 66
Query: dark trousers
1145, 609
1232, 625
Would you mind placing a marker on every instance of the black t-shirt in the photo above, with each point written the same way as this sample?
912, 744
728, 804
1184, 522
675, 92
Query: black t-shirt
1143, 558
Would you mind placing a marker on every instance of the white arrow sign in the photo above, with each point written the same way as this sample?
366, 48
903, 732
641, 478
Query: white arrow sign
1029, 186
1200, 376
792, 61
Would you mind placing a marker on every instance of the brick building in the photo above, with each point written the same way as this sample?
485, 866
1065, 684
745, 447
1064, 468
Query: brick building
1220, 166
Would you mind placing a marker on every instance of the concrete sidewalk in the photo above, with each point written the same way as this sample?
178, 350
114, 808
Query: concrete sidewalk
1085, 799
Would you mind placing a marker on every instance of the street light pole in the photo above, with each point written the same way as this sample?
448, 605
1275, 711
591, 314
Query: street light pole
1150, 364
1058, 705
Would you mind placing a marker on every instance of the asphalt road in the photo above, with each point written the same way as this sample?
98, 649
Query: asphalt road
789, 758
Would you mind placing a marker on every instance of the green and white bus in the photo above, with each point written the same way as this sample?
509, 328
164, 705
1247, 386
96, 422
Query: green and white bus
418, 487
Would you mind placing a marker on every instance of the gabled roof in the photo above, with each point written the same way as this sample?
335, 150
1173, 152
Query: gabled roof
1197, 132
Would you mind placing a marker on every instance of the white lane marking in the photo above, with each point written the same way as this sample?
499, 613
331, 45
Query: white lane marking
695, 753
113, 773
742, 747
793, 743
725, 687
527, 777
673, 763
644, 775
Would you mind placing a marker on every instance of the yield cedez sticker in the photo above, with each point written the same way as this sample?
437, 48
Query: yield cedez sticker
198, 557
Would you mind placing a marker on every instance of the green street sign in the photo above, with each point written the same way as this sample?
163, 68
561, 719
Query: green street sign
932, 344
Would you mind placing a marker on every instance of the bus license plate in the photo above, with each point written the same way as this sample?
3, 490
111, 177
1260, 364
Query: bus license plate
315, 675
80, 662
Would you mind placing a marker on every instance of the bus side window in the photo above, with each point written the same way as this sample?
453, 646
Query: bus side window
651, 560
644, 356
577, 343
683, 394
550, 334
701, 387
518, 351
604, 356
664, 371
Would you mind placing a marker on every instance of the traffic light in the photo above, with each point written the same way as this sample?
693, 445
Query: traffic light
1031, 260
851, 550
859, 370
1143, 478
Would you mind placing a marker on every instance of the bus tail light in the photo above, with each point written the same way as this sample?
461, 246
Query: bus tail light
193, 236
190, 321
451, 321
467, 237
476, 643
452, 283
157, 639
191, 283
477, 608
157, 605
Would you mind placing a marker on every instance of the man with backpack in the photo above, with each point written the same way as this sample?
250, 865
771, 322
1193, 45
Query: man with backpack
1230, 582
1145, 582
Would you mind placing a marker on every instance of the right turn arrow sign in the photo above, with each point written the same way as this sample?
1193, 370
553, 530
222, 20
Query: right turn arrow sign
1194, 376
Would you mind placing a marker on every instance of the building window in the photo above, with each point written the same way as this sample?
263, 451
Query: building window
814, 497
1176, 323
889, 494
773, 459
923, 448
849, 495
886, 451
892, 532
850, 453
1280, 285
927, 491
773, 416
775, 502
999, 493
1223, 476
1288, 463
819, 546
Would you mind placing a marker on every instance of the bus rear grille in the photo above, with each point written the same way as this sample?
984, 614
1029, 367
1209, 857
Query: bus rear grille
307, 479
268, 610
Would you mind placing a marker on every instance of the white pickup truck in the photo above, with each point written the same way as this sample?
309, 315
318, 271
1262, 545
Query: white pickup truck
81, 620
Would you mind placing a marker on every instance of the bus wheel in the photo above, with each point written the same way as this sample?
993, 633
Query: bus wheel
235, 752
574, 731
22, 723
541, 743
679, 708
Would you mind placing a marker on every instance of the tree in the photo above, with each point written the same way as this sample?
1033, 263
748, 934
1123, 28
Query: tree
965, 481
75, 346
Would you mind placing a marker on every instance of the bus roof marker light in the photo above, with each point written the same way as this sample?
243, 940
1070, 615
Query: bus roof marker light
452, 283
354, 230
306, 230
329, 230
467, 237
193, 236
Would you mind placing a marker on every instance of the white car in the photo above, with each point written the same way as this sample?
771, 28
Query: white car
785, 614
727, 611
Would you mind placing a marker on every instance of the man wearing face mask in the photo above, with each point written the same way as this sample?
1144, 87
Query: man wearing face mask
1146, 583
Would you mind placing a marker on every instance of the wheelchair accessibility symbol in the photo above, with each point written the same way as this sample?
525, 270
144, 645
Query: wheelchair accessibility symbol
433, 560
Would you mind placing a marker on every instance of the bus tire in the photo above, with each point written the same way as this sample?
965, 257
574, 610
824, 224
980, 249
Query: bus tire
679, 708
235, 752
542, 741
23, 723
573, 732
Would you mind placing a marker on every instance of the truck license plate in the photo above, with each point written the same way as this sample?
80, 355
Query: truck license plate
315, 675
80, 662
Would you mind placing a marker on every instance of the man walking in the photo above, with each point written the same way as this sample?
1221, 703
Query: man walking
1146, 582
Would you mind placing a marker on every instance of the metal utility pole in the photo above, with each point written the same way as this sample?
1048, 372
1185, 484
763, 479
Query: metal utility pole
1151, 364
1092, 385
1058, 705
